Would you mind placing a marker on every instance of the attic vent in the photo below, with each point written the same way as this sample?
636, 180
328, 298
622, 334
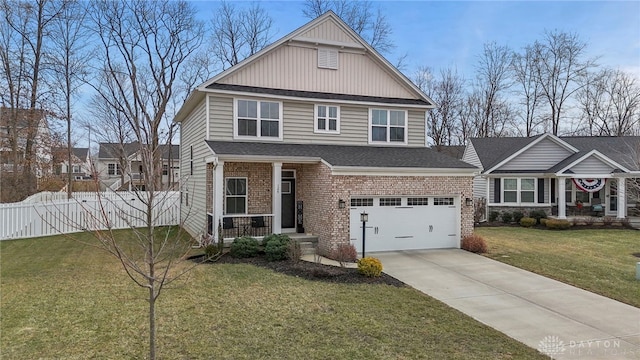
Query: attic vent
327, 59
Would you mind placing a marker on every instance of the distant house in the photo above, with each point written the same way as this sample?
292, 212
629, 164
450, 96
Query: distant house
17, 126
119, 166
80, 162
559, 175
309, 135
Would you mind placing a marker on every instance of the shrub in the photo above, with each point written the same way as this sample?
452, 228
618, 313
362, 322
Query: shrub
474, 243
589, 220
527, 221
294, 252
558, 224
607, 220
543, 221
244, 247
267, 238
493, 216
538, 215
277, 247
517, 216
344, 253
575, 221
370, 267
507, 217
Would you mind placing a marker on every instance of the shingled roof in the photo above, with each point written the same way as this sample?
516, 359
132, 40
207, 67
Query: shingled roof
340, 155
113, 150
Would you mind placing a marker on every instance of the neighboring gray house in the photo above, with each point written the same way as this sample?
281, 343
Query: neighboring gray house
308, 134
80, 162
560, 175
119, 166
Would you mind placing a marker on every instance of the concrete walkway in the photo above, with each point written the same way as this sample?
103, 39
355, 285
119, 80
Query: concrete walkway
558, 319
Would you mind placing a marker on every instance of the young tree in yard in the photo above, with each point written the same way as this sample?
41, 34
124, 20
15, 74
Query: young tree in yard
69, 64
559, 66
362, 16
143, 47
529, 90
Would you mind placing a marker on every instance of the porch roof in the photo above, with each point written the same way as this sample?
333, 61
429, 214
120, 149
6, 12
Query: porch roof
342, 155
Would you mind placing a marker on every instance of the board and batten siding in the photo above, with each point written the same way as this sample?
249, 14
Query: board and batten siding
193, 130
296, 68
540, 156
592, 165
329, 30
298, 122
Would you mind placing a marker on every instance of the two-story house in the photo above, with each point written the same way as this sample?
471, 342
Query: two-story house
80, 166
119, 166
310, 133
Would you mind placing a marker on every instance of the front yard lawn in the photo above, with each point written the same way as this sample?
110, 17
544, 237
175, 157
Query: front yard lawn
601, 261
61, 299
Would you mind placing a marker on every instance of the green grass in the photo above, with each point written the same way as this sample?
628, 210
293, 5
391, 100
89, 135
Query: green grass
61, 299
600, 261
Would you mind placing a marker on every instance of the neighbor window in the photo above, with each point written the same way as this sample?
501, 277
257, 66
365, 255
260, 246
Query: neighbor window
518, 190
260, 119
114, 169
327, 119
235, 196
165, 169
388, 126
75, 169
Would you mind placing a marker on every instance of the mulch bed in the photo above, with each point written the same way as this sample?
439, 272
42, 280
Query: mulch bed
308, 270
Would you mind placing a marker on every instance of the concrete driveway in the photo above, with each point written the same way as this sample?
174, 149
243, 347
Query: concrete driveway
557, 319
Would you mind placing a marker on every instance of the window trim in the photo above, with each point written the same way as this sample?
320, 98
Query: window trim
388, 141
246, 195
326, 130
117, 170
574, 194
518, 190
258, 120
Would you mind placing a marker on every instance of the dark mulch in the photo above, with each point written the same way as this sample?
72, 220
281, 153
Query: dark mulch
308, 270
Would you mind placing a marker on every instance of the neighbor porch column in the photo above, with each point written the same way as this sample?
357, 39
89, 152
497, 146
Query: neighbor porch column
218, 196
276, 198
562, 199
622, 198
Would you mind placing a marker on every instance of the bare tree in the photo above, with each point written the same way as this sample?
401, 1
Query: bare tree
69, 64
609, 101
493, 78
144, 45
239, 33
529, 91
559, 65
362, 16
447, 90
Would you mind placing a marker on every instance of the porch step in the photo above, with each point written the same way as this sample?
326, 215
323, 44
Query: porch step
307, 247
634, 221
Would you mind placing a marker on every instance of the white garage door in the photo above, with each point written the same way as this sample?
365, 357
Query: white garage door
406, 223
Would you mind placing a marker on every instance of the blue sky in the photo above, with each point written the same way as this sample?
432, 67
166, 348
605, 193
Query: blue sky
451, 33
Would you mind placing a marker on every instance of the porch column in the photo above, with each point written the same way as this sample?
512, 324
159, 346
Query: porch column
622, 198
276, 198
562, 199
218, 196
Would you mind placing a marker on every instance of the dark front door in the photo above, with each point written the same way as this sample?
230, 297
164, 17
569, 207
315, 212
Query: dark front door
288, 188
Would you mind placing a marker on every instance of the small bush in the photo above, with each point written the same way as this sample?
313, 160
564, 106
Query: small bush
543, 221
589, 220
294, 252
370, 267
538, 215
277, 247
344, 253
267, 238
575, 221
474, 243
244, 247
493, 216
558, 224
211, 251
507, 217
517, 216
607, 220
527, 221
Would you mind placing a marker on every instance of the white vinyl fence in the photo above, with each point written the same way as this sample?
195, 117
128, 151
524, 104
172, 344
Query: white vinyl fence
87, 211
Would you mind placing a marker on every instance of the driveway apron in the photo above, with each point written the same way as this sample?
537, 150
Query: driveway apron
559, 320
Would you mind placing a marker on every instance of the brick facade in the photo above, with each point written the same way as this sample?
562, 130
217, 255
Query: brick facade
258, 184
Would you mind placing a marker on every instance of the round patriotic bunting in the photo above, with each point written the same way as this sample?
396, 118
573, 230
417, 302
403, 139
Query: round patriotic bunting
589, 185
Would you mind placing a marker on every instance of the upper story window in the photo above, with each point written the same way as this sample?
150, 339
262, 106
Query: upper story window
388, 126
328, 58
327, 119
114, 169
258, 119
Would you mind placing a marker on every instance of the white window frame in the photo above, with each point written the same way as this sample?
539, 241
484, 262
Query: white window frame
574, 194
388, 141
259, 119
327, 118
246, 194
518, 190
117, 170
